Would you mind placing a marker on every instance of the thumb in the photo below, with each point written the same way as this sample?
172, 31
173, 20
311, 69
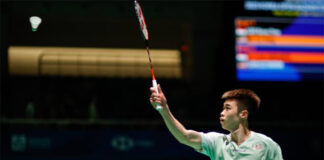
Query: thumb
159, 88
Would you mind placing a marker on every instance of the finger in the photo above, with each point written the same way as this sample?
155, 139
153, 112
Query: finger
152, 90
158, 102
153, 101
154, 95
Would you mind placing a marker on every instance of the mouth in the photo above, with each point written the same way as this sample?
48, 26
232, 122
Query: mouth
221, 120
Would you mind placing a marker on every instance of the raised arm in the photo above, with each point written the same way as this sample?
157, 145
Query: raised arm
184, 136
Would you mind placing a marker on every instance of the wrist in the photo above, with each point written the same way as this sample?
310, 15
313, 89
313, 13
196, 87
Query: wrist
165, 109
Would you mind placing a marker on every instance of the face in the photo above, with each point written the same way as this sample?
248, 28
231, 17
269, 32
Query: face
229, 117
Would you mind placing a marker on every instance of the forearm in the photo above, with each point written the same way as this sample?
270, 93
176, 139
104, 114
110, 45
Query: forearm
184, 136
174, 126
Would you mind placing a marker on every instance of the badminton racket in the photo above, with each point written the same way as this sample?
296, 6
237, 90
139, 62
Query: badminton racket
143, 28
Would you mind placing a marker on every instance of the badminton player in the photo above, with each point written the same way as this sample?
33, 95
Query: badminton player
240, 144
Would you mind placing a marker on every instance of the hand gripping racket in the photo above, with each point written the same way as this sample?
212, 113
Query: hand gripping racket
143, 27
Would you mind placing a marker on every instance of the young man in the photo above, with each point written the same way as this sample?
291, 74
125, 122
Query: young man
241, 143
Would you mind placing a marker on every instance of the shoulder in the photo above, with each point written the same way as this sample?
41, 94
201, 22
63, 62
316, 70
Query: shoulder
263, 137
212, 135
273, 150
211, 143
267, 141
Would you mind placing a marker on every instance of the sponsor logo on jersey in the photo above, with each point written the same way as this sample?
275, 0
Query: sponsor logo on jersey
257, 146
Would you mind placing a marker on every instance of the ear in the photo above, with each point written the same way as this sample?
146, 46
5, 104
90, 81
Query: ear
244, 114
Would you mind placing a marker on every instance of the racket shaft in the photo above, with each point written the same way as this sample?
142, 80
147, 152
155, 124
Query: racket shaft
158, 106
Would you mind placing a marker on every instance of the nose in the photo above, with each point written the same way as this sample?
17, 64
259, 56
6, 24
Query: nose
222, 114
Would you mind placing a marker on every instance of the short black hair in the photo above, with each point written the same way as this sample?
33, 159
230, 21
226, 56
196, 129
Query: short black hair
246, 98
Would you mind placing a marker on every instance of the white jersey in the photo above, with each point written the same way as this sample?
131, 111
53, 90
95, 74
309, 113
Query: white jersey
257, 147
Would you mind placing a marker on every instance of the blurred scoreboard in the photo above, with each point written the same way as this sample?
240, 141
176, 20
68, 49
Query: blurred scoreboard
279, 49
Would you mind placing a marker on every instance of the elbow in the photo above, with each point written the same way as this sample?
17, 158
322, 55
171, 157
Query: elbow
184, 142
184, 139
190, 140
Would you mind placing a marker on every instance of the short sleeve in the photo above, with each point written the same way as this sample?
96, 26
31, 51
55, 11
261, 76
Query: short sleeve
274, 152
210, 143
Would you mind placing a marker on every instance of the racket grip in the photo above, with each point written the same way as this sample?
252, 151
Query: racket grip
158, 106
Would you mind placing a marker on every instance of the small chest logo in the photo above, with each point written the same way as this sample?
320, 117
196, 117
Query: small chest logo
257, 147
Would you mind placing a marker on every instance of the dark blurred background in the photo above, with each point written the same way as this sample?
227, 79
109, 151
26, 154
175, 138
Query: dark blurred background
80, 117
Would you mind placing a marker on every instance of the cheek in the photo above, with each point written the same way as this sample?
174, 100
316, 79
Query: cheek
232, 116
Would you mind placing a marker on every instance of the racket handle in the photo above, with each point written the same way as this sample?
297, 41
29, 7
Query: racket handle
158, 106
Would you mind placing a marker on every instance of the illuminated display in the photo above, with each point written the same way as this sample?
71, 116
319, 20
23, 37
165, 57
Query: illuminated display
279, 49
287, 7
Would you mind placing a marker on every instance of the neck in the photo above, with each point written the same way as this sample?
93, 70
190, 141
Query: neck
241, 134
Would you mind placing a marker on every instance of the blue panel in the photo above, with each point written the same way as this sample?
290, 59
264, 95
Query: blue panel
306, 26
287, 74
290, 48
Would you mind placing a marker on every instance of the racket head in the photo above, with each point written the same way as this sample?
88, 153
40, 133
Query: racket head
141, 20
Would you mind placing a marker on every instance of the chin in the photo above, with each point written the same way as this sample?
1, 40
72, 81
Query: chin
224, 127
